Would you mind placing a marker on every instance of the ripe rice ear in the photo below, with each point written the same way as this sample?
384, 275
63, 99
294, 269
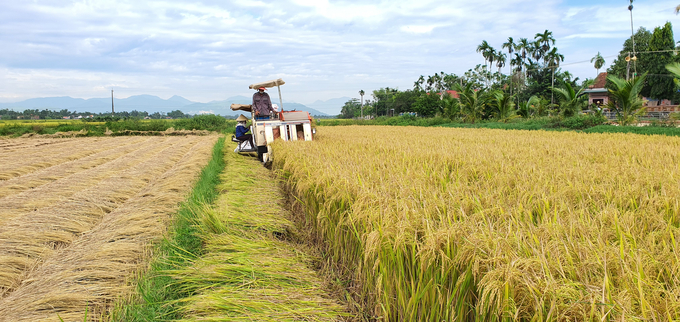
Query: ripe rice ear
474, 224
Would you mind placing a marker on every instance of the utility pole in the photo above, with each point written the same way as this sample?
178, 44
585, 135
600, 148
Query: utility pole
112, 111
632, 38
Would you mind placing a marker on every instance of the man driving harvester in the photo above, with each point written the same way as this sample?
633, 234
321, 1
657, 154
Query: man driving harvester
262, 105
263, 109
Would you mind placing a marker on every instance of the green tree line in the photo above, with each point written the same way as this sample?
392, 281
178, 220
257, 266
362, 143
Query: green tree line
47, 114
524, 79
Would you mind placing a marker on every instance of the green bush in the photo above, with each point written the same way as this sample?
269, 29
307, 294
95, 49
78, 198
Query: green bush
645, 130
208, 122
14, 130
578, 122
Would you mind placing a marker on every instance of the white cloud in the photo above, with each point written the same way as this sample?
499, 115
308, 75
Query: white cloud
417, 29
598, 35
212, 50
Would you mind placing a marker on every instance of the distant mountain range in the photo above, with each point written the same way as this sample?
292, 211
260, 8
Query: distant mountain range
152, 104
332, 106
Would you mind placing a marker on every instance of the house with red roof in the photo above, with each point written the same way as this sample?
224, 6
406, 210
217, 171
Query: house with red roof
597, 93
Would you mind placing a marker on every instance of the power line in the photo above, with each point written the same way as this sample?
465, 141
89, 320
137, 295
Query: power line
610, 56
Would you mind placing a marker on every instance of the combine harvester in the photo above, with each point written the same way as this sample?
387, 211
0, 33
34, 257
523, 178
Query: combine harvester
285, 125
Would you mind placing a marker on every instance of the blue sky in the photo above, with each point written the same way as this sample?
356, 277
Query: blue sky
212, 50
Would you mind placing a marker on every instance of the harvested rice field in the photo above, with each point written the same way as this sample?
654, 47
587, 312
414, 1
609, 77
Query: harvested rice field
434, 224
253, 268
78, 218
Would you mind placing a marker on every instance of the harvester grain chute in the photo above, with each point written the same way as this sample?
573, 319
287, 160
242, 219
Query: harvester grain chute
284, 125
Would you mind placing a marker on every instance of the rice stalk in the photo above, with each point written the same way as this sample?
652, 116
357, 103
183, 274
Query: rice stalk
475, 224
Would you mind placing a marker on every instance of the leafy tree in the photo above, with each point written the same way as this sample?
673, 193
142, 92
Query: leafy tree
350, 109
403, 101
383, 100
477, 77
427, 105
624, 98
659, 82
177, 114
138, 114
542, 107
539, 83
619, 66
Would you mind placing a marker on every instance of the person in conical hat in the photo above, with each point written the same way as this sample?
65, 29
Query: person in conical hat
242, 130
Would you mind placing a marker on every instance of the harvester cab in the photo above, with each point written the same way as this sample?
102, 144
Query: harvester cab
284, 125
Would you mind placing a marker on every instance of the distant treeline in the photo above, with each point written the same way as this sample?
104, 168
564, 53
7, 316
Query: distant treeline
45, 114
130, 126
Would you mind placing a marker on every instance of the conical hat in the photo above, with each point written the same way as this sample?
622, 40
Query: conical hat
241, 118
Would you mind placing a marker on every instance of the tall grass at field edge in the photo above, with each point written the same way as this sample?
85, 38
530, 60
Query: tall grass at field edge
157, 292
580, 123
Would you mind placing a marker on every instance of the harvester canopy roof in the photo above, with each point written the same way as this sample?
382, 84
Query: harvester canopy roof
267, 84
242, 107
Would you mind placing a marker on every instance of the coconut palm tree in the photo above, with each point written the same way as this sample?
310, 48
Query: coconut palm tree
439, 81
501, 59
361, 92
674, 68
527, 109
625, 98
544, 40
491, 56
502, 107
483, 49
523, 47
599, 62
451, 106
536, 51
571, 101
517, 62
418, 85
510, 46
472, 102
553, 59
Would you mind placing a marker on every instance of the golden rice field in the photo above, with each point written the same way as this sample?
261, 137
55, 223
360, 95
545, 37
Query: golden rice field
78, 218
434, 224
